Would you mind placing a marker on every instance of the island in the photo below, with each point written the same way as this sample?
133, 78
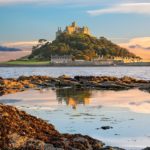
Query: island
76, 46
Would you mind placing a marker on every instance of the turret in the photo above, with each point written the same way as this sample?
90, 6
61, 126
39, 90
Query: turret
58, 32
74, 24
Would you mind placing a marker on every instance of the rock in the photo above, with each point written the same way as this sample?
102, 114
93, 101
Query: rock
127, 79
147, 148
145, 87
99, 82
5, 114
64, 77
112, 85
20, 130
38, 145
106, 127
112, 148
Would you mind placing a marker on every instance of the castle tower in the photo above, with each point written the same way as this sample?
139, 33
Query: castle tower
74, 24
74, 28
85, 30
59, 31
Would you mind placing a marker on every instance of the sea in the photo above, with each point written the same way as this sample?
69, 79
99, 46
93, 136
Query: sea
136, 72
86, 111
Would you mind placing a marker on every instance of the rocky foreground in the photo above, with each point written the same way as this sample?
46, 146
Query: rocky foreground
22, 83
21, 131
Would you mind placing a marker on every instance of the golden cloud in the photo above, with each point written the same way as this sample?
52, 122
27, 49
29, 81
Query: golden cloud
140, 46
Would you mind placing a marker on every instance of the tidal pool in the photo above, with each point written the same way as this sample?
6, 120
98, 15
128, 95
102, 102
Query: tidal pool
86, 111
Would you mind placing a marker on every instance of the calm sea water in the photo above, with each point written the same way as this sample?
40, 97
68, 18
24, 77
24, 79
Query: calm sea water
86, 111
137, 72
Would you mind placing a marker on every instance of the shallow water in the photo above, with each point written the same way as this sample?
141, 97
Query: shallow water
136, 72
86, 111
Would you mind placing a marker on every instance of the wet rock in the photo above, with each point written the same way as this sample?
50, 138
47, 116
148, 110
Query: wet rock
112, 148
127, 79
145, 87
106, 127
147, 148
112, 85
64, 77
99, 82
20, 130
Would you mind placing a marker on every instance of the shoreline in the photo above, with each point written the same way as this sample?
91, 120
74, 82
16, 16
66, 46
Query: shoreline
73, 65
22, 83
3, 66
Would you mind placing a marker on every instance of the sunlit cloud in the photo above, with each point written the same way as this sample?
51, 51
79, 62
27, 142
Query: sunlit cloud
125, 8
24, 45
140, 46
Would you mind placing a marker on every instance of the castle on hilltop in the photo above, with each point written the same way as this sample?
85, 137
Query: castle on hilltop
74, 28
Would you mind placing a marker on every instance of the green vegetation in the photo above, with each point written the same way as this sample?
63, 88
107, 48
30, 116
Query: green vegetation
80, 46
27, 62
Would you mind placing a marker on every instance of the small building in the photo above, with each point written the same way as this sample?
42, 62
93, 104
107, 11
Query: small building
101, 60
65, 59
127, 59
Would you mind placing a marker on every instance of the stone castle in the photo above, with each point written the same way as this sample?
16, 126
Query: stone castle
74, 28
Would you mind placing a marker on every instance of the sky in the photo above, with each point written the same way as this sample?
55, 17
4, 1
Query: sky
125, 22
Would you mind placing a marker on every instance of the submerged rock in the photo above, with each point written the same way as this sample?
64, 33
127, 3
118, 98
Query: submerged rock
106, 127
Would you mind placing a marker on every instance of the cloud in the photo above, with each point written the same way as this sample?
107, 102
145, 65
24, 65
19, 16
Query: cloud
25, 48
7, 2
125, 8
140, 46
8, 49
24, 45
66, 2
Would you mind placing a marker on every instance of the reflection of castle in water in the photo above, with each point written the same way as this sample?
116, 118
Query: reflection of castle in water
73, 97
73, 102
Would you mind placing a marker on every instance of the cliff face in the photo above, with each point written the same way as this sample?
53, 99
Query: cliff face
19, 130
